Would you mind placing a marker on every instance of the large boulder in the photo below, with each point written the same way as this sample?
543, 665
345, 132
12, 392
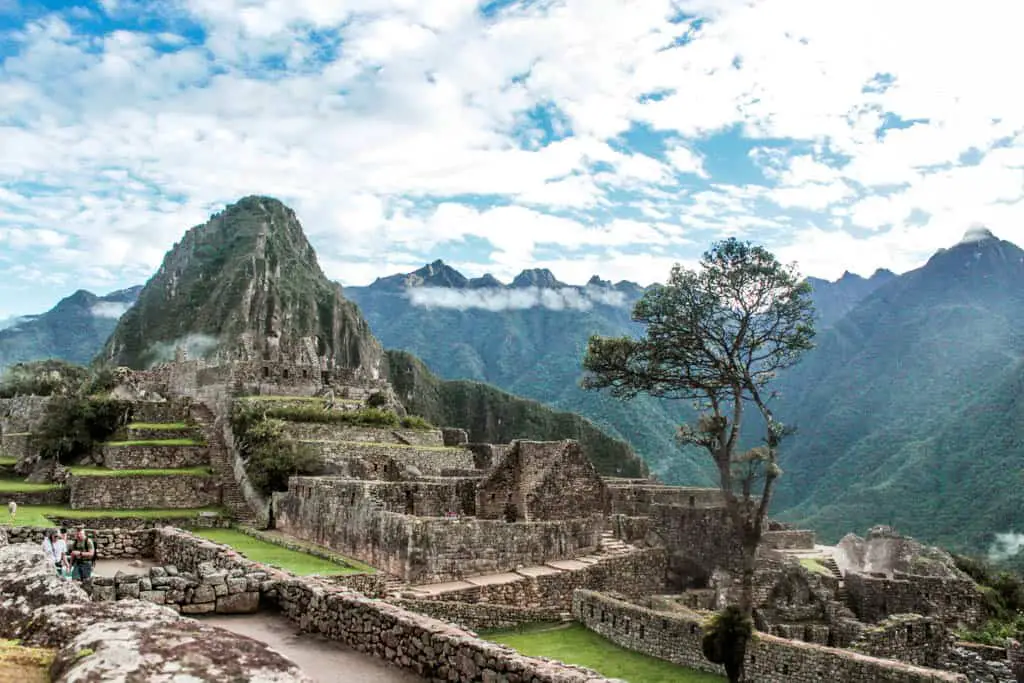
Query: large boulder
124, 640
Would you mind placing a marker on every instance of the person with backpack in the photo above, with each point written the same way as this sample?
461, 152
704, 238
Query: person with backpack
83, 556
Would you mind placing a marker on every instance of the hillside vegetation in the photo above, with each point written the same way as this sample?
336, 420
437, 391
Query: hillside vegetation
491, 415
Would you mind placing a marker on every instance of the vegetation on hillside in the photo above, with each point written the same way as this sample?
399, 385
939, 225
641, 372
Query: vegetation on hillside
53, 377
270, 457
1004, 602
490, 415
716, 336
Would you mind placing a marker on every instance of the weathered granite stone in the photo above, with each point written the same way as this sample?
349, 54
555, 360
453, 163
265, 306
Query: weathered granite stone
127, 641
238, 603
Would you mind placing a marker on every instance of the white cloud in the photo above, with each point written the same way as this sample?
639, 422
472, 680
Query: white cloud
498, 299
110, 309
379, 129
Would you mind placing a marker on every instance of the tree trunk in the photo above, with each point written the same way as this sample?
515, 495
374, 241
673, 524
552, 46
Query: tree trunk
747, 580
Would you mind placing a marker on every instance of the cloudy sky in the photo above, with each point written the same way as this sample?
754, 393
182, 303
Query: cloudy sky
587, 136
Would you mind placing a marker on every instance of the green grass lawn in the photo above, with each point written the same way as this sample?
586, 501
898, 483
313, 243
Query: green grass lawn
8, 460
93, 471
577, 645
37, 515
159, 426
156, 442
22, 486
269, 553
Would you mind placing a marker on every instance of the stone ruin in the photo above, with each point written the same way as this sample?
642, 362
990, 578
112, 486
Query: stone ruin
494, 535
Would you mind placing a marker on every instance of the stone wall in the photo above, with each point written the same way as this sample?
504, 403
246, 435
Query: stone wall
635, 575
15, 445
676, 637
316, 431
423, 550
235, 591
173, 410
698, 539
427, 647
788, 539
52, 496
110, 543
542, 480
143, 492
487, 455
908, 637
188, 520
425, 497
955, 601
480, 616
22, 413
637, 498
380, 457
153, 457
630, 529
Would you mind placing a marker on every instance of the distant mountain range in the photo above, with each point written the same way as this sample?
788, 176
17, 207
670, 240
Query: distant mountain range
73, 330
909, 410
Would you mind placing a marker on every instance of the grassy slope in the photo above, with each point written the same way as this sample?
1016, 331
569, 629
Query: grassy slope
91, 471
577, 645
268, 553
37, 515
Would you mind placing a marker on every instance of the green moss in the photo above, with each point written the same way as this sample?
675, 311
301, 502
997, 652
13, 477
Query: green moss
382, 444
812, 564
90, 471
576, 645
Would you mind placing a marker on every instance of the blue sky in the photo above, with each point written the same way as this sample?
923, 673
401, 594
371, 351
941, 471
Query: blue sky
607, 137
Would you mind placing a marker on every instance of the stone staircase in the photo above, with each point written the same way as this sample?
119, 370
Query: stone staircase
610, 545
220, 462
829, 563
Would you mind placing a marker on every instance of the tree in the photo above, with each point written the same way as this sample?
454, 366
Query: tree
717, 336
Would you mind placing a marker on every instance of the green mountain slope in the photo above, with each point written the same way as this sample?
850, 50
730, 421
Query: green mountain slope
73, 330
245, 285
492, 415
503, 336
908, 408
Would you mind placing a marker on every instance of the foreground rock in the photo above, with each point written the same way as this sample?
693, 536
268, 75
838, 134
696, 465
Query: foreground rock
126, 640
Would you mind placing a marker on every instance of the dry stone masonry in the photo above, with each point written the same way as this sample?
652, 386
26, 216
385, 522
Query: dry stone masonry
143, 491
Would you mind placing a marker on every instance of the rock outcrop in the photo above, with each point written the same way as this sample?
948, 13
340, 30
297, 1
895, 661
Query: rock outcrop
246, 286
123, 641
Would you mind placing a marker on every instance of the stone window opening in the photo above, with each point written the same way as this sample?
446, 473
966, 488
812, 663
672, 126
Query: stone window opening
604, 616
410, 503
641, 630
266, 372
284, 373
305, 374
693, 501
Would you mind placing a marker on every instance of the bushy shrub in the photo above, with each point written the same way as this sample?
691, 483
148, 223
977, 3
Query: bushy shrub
1003, 596
415, 422
271, 458
74, 426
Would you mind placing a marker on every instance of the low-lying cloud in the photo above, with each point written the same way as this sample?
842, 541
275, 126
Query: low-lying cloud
195, 345
110, 309
1006, 546
499, 299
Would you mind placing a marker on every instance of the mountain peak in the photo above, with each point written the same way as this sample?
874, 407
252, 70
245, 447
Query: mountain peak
435, 274
596, 281
485, 281
976, 233
537, 277
248, 281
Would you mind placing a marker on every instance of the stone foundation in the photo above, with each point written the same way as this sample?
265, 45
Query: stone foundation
143, 492
317, 431
480, 616
677, 638
955, 601
424, 550
381, 459
208, 590
788, 539
637, 498
154, 457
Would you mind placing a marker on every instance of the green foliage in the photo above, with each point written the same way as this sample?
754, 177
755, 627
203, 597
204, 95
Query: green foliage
271, 458
155, 442
377, 400
725, 640
73, 426
1003, 593
491, 415
43, 378
415, 422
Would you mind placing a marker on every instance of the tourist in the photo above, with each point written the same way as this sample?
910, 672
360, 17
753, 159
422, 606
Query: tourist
12, 508
83, 555
49, 536
60, 552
